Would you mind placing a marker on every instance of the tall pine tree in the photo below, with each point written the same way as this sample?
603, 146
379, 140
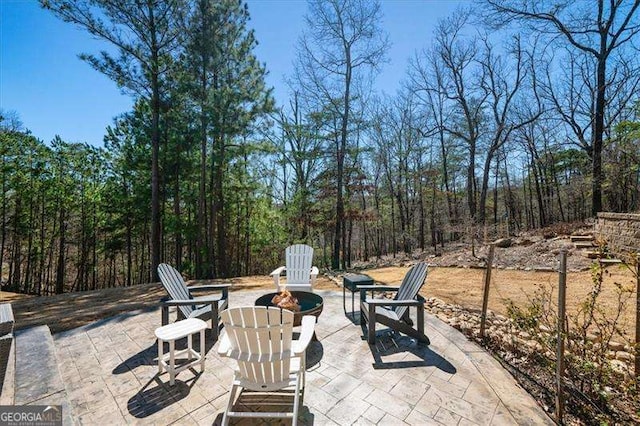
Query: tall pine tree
145, 34
227, 83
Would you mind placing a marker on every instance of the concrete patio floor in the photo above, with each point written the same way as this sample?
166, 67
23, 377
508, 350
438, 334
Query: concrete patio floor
109, 370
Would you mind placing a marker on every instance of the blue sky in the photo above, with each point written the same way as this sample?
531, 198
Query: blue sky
54, 92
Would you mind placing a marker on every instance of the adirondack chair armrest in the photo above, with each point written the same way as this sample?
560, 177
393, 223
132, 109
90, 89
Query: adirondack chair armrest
313, 275
387, 302
225, 344
178, 302
373, 288
276, 276
306, 333
278, 271
209, 287
378, 287
224, 288
208, 299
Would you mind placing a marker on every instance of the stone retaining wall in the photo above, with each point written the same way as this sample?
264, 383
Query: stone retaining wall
621, 231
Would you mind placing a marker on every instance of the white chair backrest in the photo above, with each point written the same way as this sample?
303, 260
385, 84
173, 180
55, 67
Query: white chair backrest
176, 287
411, 285
260, 339
299, 259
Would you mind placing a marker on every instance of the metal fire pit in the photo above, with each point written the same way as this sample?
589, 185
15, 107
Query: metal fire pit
310, 304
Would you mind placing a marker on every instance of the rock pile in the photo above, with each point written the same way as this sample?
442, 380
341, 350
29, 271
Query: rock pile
527, 253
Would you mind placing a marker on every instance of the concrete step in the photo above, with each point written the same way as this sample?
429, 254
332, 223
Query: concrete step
37, 376
575, 238
610, 261
591, 254
7, 355
7, 393
583, 244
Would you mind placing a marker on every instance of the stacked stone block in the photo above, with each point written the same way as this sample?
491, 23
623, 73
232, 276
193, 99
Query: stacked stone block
621, 231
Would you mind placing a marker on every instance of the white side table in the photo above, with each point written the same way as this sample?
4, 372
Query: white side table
172, 332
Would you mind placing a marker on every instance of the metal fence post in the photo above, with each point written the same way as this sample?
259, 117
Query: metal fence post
562, 292
485, 290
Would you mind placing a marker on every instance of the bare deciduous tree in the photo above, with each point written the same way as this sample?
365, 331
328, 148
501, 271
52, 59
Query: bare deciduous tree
503, 83
598, 32
341, 47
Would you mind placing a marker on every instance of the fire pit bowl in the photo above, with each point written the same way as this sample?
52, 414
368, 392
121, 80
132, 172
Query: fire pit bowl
310, 304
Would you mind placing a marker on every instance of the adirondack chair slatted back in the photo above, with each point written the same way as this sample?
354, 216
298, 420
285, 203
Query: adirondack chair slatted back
299, 259
411, 285
176, 287
261, 343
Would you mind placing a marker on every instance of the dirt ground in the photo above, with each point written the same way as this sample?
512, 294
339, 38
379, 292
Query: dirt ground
71, 310
461, 286
8, 297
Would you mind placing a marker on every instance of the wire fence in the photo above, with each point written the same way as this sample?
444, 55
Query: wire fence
572, 335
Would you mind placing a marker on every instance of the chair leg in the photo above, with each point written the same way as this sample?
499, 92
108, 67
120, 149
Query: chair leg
165, 315
214, 321
202, 351
363, 322
172, 362
407, 318
363, 317
296, 401
303, 366
160, 355
232, 397
371, 324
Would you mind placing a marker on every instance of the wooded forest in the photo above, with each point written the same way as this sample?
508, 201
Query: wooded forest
520, 114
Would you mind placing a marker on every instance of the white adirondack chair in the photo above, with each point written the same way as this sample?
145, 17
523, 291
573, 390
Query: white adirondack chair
301, 275
269, 361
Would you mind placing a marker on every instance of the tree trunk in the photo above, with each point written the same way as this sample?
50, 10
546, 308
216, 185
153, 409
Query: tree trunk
445, 174
60, 268
129, 243
221, 225
598, 131
3, 231
340, 234
495, 192
201, 234
471, 176
177, 212
15, 275
364, 226
421, 227
155, 190
155, 151
485, 188
41, 276
538, 183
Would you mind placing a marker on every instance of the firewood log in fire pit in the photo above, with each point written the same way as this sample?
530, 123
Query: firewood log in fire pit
285, 300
